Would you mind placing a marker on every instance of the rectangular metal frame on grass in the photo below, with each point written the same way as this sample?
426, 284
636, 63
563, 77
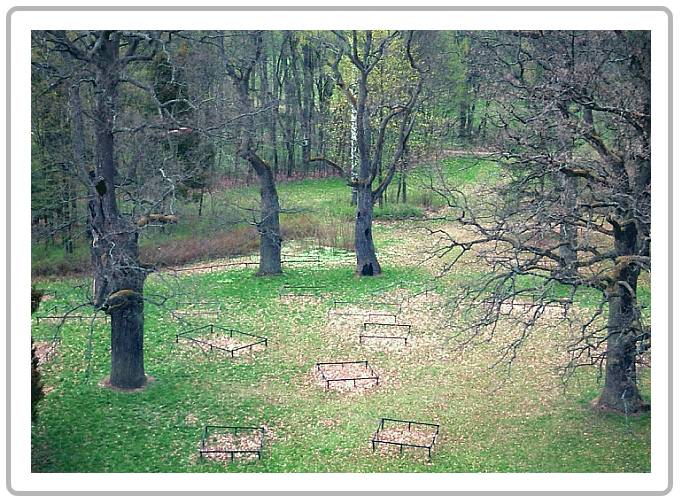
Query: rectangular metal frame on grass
374, 375
179, 314
381, 426
205, 434
290, 290
260, 339
76, 317
362, 335
219, 266
331, 310
425, 291
301, 259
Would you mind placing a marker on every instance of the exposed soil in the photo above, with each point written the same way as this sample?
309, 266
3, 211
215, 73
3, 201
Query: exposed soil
351, 315
314, 377
380, 328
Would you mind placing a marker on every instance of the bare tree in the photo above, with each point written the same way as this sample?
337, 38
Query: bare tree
241, 53
102, 60
571, 214
375, 115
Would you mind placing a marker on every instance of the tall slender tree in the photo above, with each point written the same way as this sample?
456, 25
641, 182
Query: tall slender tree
240, 62
365, 50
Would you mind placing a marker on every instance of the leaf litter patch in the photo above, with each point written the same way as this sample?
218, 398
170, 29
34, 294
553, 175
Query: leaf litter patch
226, 340
386, 332
347, 376
394, 434
229, 443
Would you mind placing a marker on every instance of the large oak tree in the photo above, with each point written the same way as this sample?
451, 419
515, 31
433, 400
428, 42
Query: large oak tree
571, 213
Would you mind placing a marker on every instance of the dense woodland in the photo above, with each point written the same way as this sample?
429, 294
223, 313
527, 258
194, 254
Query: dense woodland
135, 133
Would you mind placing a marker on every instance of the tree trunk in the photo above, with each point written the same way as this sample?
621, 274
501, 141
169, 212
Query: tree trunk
367, 261
462, 119
118, 276
127, 340
470, 121
290, 149
268, 227
293, 106
200, 203
620, 392
307, 105
272, 115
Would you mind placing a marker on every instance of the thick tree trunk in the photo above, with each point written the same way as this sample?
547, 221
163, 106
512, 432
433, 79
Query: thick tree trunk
367, 261
118, 276
269, 228
126, 309
118, 290
620, 392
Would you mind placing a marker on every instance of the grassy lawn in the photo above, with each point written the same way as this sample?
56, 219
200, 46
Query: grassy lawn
492, 419
490, 422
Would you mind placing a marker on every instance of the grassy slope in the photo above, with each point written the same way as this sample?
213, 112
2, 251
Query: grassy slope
318, 205
490, 423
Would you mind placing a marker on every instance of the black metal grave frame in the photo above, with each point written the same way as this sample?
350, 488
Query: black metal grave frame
374, 376
372, 315
423, 292
336, 303
363, 334
217, 266
207, 307
69, 317
409, 423
205, 450
305, 290
316, 260
260, 340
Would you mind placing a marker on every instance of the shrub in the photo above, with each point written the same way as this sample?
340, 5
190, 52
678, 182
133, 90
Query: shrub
397, 212
239, 241
328, 233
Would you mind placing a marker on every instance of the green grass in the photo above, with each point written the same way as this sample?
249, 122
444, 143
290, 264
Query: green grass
491, 421
85, 428
324, 201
